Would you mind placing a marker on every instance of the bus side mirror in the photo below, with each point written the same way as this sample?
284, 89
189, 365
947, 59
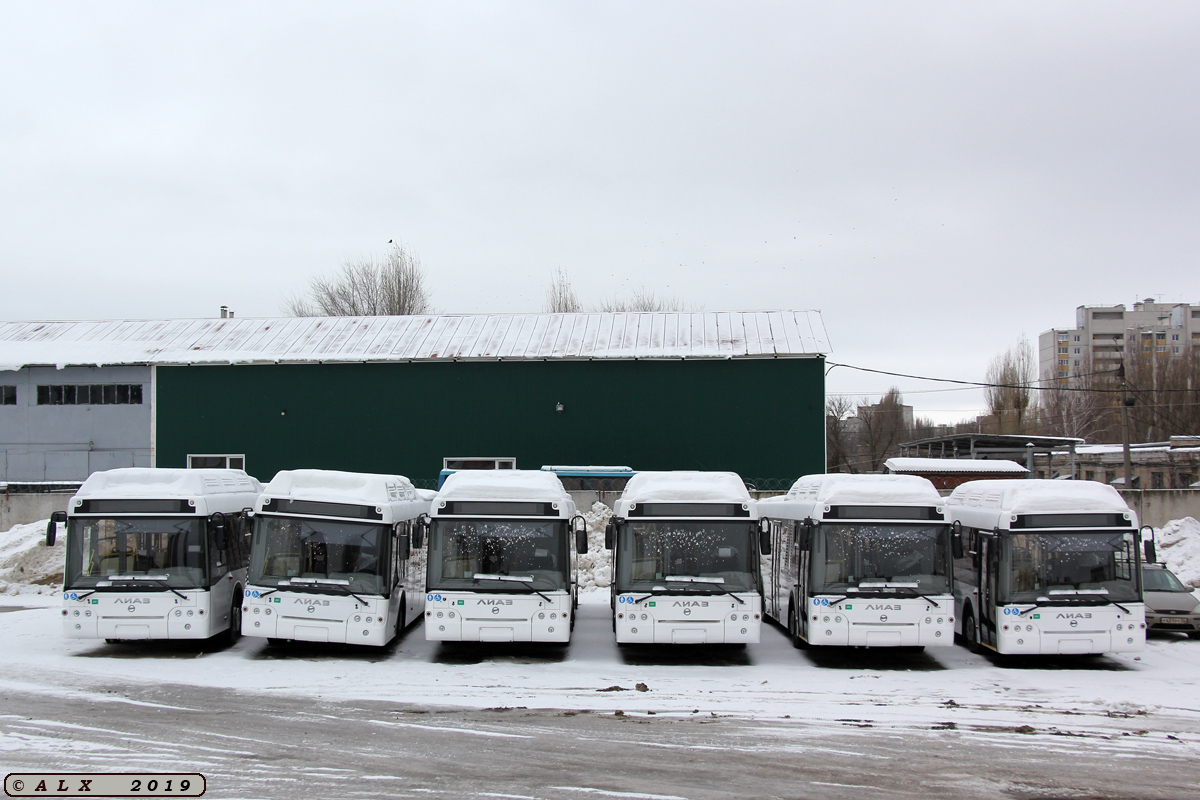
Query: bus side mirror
579, 525
402, 547
418, 536
610, 536
805, 536
1148, 545
52, 527
764, 539
956, 541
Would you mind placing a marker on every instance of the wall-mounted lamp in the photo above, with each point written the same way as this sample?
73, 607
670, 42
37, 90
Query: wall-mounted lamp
558, 407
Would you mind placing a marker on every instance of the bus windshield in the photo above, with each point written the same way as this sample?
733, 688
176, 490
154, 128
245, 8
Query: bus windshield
1078, 566
169, 550
651, 552
463, 552
869, 557
319, 549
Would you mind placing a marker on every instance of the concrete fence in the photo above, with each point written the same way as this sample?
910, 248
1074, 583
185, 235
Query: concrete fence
23, 503
1157, 507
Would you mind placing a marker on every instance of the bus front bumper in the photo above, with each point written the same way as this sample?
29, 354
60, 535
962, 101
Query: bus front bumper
482, 617
681, 619
302, 617
132, 615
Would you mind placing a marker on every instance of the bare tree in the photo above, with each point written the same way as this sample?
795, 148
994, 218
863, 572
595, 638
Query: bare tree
642, 300
883, 429
367, 287
840, 439
560, 297
1013, 375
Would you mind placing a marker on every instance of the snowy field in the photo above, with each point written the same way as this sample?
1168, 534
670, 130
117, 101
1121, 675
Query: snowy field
1143, 706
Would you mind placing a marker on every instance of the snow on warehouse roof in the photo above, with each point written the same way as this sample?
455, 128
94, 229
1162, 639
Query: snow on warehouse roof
148, 483
1038, 496
503, 484
683, 487
871, 490
335, 486
977, 465
489, 337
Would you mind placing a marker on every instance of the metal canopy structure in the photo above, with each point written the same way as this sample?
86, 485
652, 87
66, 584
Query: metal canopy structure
993, 445
445, 337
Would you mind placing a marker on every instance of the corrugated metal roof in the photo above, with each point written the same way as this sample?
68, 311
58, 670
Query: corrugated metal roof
479, 337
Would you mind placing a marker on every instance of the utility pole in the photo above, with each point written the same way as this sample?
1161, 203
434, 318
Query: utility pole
1126, 402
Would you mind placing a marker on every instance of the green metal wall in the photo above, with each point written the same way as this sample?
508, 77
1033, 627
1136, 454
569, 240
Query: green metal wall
761, 418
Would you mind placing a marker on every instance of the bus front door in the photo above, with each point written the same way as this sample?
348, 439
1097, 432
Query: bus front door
989, 559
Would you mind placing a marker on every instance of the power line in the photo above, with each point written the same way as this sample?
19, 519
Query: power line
987, 385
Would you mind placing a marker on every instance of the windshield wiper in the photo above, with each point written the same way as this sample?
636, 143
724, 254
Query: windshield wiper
160, 581
1083, 596
329, 583
512, 578
717, 582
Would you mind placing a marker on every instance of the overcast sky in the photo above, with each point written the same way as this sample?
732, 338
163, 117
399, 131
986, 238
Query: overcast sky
937, 178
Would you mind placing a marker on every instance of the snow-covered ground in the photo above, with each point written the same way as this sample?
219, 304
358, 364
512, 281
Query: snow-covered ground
1154, 695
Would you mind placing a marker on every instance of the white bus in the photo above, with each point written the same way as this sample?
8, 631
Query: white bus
1049, 567
686, 560
860, 560
156, 554
500, 565
337, 557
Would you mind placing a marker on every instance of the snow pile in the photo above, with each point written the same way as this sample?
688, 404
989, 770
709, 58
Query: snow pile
27, 566
595, 566
1178, 545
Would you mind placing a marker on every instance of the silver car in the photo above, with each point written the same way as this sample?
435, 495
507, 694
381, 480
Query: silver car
1170, 605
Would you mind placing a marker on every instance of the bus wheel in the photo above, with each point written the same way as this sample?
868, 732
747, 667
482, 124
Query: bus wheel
794, 629
400, 617
970, 633
235, 621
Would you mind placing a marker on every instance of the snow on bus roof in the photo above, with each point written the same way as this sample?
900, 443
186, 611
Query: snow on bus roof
684, 487
151, 482
1038, 496
870, 490
976, 465
503, 484
445, 337
336, 486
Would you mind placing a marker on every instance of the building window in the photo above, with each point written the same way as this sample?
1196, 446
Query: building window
1156, 481
217, 461
1077, 338
1110, 475
1186, 479
1062, 351
1174, 337
8, 395
1090, 475
1076, 351
93, 394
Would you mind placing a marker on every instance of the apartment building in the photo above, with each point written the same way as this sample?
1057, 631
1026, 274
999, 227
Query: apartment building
1102, 333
